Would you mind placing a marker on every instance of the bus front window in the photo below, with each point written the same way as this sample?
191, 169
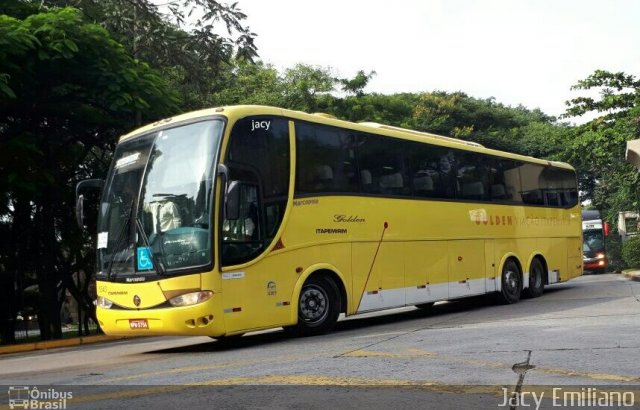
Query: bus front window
593, 241
155, 215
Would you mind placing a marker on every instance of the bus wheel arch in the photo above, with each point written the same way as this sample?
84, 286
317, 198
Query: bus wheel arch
537, 277
319, 300
510, 280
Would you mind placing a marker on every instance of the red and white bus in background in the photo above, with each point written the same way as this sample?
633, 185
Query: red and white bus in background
594, 232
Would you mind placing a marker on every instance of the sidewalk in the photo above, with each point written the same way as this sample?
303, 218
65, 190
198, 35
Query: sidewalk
52, 344
632, 274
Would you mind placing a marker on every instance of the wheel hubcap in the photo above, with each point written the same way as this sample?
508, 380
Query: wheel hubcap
511, 281
313, 304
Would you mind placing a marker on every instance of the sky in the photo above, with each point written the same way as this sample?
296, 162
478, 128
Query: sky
527, 52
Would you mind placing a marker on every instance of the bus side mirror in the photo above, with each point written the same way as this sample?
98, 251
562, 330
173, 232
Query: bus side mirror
88, 218
606, 229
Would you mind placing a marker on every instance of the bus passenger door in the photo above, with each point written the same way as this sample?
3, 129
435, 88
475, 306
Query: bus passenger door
466, 268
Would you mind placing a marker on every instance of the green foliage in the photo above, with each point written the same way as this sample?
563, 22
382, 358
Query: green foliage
304, 85
613, 244
618, 94
249, 83
631, 252
357, 84
62, 78
597, 148
184, 39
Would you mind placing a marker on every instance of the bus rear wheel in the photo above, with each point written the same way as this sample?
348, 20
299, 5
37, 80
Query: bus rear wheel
536, 279
511, 288
426, 307
318, 307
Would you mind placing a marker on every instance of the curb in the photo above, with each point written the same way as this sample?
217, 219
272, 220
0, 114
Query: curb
52, 344
633, 275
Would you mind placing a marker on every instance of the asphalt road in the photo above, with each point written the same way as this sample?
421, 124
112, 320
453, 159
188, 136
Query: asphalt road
584, 334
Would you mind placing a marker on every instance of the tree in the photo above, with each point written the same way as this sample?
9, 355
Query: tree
597, 148
357, 84
304, 85
179, 37
68, 90
250, 83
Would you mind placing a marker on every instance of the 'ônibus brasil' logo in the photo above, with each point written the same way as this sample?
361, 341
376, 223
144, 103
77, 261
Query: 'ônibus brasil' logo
26, 397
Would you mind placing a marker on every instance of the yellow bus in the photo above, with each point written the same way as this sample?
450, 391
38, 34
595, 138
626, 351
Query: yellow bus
235, 219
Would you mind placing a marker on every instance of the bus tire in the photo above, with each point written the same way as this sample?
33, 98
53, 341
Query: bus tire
227, 340
426, 307
318, 307
511, 279
536, 279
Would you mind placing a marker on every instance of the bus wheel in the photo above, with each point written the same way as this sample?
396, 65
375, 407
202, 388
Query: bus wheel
425, 306
511, 283
536, 279
318, 307
227, 340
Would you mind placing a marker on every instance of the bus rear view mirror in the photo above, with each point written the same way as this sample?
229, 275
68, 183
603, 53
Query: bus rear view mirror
88, 217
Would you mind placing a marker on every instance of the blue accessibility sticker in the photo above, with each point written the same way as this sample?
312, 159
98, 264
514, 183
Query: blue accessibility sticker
145, 261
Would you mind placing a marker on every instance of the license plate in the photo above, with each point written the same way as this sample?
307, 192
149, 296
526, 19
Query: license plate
138, 324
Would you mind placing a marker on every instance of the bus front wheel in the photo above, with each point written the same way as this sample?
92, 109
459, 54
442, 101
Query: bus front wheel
511, 283
318, 307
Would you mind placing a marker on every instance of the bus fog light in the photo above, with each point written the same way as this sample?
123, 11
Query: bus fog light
104, 302
189, 299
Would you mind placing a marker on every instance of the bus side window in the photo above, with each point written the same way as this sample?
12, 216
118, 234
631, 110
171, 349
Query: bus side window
473, 176
431, 168
384, 160
325, 160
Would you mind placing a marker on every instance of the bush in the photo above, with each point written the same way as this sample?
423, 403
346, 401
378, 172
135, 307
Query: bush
631, 252
613, 243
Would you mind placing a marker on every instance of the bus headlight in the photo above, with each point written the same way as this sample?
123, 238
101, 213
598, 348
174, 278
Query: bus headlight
103, 302
189, 299
600, 256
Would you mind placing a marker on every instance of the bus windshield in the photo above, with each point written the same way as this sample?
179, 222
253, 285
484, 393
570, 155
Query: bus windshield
593, 241
155, 213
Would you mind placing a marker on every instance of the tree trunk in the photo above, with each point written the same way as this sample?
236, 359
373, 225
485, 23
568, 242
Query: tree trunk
16, 266
47, 271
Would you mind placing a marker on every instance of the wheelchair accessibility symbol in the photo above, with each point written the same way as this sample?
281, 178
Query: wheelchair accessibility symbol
144, 258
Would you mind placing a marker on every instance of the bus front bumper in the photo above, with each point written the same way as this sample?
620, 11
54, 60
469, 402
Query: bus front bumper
595, 263
203, 319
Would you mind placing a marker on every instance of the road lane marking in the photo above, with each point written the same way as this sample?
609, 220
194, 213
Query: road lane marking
379, 335
589, 375
406, 353
493, 364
